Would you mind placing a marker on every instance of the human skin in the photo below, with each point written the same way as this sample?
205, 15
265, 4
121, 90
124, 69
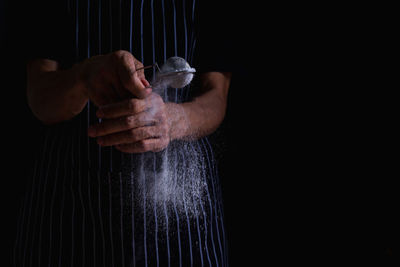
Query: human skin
134, 119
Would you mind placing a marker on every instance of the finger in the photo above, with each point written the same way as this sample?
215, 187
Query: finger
124, 108
106, 127
145, 82
154, 144
121, 124
130, 78
129, 136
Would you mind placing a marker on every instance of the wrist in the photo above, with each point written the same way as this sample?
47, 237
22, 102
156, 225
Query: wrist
79, 76
179, 125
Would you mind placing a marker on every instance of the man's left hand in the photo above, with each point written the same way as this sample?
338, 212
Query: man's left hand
133, 125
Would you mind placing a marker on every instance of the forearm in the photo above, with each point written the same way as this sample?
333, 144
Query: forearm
203, 115
54, 95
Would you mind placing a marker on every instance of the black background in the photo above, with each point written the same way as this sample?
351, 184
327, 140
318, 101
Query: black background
307, 151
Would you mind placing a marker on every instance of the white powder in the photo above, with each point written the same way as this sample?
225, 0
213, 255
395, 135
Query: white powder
175, 182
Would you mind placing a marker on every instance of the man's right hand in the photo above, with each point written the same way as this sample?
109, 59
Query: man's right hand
113, 77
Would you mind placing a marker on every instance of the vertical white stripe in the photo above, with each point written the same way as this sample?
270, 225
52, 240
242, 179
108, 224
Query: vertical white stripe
199, 235
88, 56
204, 176
88, 27
120, 25
39, 244
121, 219
28, 225
130, 50
141, 32
185, 29
111, 49
77, 30
72, 191
66, 167
164, 44
205, 232
215, 192
209, 168
164, 31
19, 229
193, 35
187, 218
175, 44
78, 139
131, 26
175, 40
187, 55
193, 49
40, 178
164, 167
111, 24
167, 234
143, 175
197, 219
155, 211
83, 216
110, 218
52, 204
153, 154
80, 190
133, 219
152, 34
99, 53
101, 219
165, 158
176, 212
92, 217
190, 60
99, 28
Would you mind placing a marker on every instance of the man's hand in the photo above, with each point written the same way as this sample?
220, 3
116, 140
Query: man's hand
113, 77
56, 95
133, 125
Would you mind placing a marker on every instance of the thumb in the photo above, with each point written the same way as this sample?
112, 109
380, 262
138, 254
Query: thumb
132, 80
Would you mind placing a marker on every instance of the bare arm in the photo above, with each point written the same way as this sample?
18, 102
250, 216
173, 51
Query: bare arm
56, 95
204, 114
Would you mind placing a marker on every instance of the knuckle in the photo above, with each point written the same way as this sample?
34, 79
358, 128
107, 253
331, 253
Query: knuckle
116, 55
119, 53
138, 64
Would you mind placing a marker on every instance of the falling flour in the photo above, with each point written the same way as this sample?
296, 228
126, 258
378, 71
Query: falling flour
173, 181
